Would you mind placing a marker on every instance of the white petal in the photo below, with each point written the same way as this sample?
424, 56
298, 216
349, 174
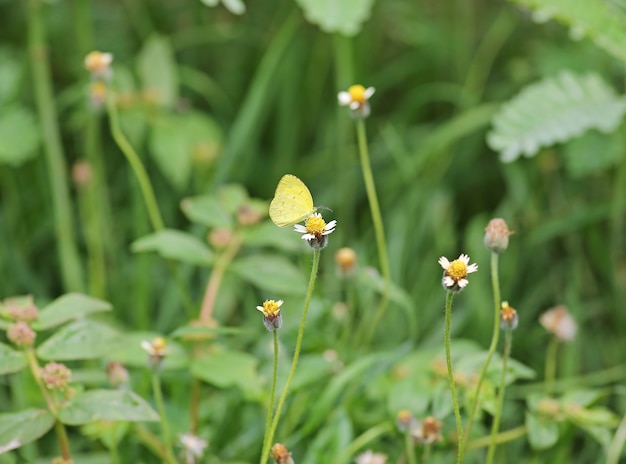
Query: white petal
448, 281
443, 261
464, 258
308, 237
369, 92
260, 308
472, 268
354, 105
300, 228
462, 283
344, 98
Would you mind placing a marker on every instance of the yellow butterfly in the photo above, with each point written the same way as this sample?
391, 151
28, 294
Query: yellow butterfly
292, 202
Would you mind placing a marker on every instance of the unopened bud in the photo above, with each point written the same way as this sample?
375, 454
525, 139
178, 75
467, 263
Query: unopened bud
346, 259
55, 376
21, 334
497, 235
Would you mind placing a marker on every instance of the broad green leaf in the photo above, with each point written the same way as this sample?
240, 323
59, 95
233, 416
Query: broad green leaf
109, 433
345, 17
84, 339
542, 433
442, 400
601, 433
203, 332
106, 405
157, 70
581, 398
556, 109
176, 245
266, 234
20, 428
130, 353
206, 210
19, 133
11, 360
10, 75
271, 273
67, 308
225, 369
593, 152
413, 394
179, 140
602, 21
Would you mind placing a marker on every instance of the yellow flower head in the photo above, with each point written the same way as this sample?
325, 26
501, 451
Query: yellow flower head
455, 272
272, 319
357, 99
315, 230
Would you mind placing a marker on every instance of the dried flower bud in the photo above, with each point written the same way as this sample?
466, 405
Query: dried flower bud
21, 334
248, 216
405, 420
55, 376
427, 431
560, 322
280, 454
220, 238
508, 317
346, 259
156, 350
117, 374
497, 235
82, 173
21, 309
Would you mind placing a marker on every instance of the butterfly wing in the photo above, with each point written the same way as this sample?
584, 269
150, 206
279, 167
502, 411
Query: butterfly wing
292, 202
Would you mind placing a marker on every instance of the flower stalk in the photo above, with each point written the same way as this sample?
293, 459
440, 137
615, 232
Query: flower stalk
455, 401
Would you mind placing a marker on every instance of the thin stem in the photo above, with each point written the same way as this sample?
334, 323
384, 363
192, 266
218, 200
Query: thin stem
135, 163
503, 437
455, 401
194, 404
296, 355
550, 374
71, 269
495, 285
270, 408
615, 448
508, 336
409, 448
366, 437
379, 231
165, 430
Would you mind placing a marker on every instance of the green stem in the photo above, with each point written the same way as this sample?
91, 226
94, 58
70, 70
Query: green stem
71, 269
270, 408
165, 430
503, 437
296, 355
366, 437
409, 448
370, 187
495, 285
615, 448
135, 163
508, 336
550, 374
455, 401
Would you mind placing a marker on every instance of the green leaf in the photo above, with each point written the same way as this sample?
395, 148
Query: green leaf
157, 70
109, 433
20, 428
11, 360
190, 331
581, 398
601, 21
130, 353
234, 6
177, 140
266, 234
84, 339
10, 75
311, 368
345, 17
273, 274
410, 394
67, 308
542, 433
206, 210
19, 133
106, 405
174, 244
593, 152
556, 109
225, 369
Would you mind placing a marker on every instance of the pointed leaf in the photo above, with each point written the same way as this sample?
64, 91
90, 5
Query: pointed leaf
556, 109
106, 405
20, 135
84, 339
174, 244
11, 360
271, 273
157, 70
345, 17
593, 152
67, 308
17, 429
542, 433
206, 210
130, 353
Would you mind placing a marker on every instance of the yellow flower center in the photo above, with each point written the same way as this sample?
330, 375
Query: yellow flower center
457, 269
158, 345
315, 225
508, 313
271, 308
357, 92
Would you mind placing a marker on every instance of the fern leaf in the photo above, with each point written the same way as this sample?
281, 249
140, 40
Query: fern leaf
554, 110
602, 21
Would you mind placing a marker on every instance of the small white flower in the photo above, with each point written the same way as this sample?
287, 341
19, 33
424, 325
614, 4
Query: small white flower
193, 447
357, 99
315, 230
369, 457
560, 322
455, 272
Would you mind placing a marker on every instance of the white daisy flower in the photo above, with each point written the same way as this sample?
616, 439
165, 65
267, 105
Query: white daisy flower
455, 272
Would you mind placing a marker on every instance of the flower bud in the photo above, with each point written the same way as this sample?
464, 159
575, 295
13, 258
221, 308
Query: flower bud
280, 454
508, 317
346, 259
21, 334
497, 235
55, 376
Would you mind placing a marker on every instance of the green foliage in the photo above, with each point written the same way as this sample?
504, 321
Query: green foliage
176, 245
21, 428
82, 339
12, 361
554, 110
343, 17
106, 405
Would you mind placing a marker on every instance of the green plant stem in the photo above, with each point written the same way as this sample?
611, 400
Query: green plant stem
615, 448
508, 336
165, 430
550, 373
135, 163
366, 437
64, 443
455, 401
495, 285
379, 230
270, 407
71, 269
503, 437
296, 355
409, 448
